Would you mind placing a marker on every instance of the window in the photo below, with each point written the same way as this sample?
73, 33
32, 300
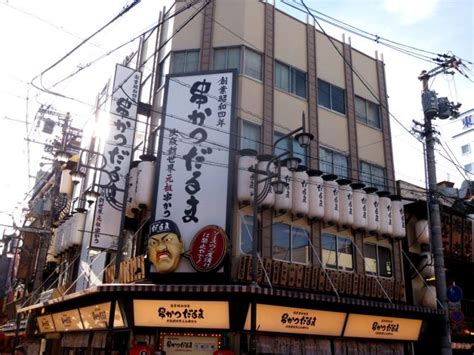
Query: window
184, 61
468, 168
290, 243
373, 175
337, 252
231, 58
367, 112
331, 162
290, 145
466, 149
246, 233
378, 260
331, 97
164, 70
250, 136
227, 58
290, 79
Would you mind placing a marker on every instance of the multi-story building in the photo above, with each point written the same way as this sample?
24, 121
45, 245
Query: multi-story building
462, 143
209, 250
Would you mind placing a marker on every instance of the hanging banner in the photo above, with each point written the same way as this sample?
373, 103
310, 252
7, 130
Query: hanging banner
114, 165
45, 324
97, 316
193, 170
68, 320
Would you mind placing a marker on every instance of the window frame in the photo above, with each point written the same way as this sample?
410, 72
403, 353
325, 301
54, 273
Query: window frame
243, 68
186, 52
366, 119
373, 178
331, 97
335, 169
291, 236
243, 137
293, 73
467, 151
377, 272
336, 250
249, 222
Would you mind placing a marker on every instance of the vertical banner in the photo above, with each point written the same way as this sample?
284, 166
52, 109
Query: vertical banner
117, 154
195, 141
467, 239
456, 242
446, 232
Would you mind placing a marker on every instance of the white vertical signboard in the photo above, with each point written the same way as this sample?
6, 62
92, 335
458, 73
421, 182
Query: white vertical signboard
117, 153
195, 145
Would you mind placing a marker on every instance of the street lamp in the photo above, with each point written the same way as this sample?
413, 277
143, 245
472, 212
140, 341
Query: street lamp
272, 180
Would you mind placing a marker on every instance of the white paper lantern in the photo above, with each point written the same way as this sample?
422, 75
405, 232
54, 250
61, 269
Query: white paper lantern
359, 197
331, 199
245, 187
398, 219
283, 202
386, 222
263, 161
65, 185
316, 194
145, 183
346, 205
77, 230
300, 192
132, 204
428, 297
373, 210
422, 232
426, 266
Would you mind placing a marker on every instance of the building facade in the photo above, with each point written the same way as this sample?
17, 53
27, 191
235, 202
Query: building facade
317, 269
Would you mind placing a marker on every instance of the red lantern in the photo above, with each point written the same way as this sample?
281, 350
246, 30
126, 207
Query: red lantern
141, 349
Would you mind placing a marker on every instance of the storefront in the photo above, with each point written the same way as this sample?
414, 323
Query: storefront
197, 318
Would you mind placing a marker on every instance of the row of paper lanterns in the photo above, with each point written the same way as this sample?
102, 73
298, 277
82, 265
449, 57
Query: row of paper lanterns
69, 234
140, 186
324, 197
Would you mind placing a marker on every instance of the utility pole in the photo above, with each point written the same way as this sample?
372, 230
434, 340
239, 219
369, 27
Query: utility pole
437, 107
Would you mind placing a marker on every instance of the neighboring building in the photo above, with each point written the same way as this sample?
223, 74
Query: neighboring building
457, 237
330, 274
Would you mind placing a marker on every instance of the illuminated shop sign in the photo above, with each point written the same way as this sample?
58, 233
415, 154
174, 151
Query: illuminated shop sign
45, 324
97, 316
181, 314
381, 327
297, 320
67, 321
196, 345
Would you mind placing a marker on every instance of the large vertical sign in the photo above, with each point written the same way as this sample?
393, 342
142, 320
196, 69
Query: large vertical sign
117, 153
195, 146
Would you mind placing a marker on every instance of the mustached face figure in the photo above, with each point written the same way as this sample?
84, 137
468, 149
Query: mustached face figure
164, 251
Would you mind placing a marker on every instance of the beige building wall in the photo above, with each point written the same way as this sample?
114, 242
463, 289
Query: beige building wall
287, 111
250, 100
191, 38
333, 131
290, 41
366, 68
329, 63
371, 145
239, 22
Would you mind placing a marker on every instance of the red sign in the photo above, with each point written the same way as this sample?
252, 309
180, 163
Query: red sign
208, 248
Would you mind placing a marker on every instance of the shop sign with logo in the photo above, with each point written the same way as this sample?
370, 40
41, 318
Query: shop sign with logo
297, 320
181, 314
67, 321
381, 327
196, 345
45, 324
97, 316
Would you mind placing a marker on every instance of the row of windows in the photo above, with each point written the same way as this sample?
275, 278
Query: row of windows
287, 78
330, 161
292, 244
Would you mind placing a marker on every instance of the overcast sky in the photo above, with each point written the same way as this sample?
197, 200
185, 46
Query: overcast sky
37, 33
